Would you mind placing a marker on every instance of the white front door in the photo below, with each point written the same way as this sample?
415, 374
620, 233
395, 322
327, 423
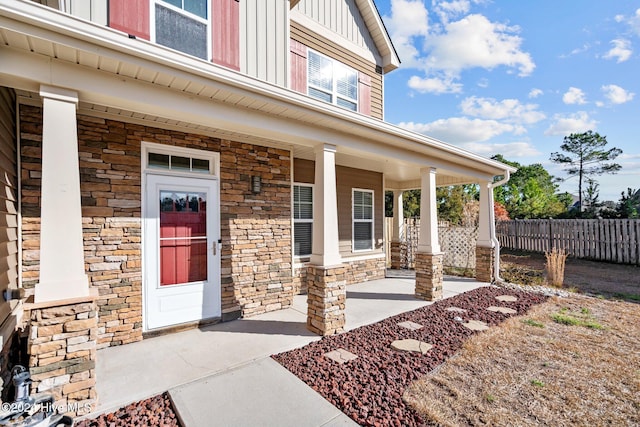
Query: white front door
181, 247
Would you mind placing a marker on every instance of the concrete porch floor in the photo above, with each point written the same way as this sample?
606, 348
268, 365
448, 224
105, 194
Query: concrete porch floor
175, 361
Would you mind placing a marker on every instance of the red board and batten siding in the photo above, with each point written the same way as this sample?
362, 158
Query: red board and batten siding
364, 93
299, 77
298, 66
225, 28
132, 17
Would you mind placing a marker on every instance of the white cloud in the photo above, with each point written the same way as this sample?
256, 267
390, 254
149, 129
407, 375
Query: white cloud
408, 22
460, 130
534, 93
634, 22
573, 123
617, 95
574, 96
621, 50
434, 85
448, 10
509, 110
510, 150
474, 41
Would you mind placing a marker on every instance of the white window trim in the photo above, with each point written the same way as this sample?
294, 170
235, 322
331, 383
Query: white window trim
207, 21
303, 221
151, 147
334, 91
354, 220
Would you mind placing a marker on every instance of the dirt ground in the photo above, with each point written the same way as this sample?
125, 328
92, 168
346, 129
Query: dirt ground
590, 277
570, 361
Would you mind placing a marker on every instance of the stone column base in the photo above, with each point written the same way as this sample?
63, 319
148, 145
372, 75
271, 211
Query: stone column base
396, 254
62, 352
429, 276
485, 259
326, 296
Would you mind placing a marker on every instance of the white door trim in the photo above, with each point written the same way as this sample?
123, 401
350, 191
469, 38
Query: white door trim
213, 176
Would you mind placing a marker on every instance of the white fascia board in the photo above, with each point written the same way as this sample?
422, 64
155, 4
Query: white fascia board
34, 20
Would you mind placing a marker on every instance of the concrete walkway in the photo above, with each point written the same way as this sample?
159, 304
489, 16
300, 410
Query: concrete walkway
222, 374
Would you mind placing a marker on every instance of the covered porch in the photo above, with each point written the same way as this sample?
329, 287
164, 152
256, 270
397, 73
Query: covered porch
155, 365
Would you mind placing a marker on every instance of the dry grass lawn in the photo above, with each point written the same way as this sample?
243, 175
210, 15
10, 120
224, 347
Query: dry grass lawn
570, 361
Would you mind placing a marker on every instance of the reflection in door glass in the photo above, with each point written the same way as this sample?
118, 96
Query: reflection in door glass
183, 237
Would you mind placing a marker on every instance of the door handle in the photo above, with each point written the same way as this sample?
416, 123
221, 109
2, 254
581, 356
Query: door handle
215, 249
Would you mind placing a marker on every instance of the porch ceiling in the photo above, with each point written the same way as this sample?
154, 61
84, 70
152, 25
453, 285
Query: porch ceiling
135, 80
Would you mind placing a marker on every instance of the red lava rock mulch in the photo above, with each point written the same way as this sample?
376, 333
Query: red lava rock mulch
155, 411
369, 389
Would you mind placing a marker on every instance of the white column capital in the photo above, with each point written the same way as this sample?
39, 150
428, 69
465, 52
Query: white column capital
428, 170
59, 94
325, 147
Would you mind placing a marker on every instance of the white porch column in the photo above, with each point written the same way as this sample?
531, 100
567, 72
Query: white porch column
62, 273
485, 257
326, 275
429, 259
428, 238
398, 216
396, 244
486, 225
326, 250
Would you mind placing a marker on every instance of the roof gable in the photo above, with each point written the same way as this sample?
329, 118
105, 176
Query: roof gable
357, 21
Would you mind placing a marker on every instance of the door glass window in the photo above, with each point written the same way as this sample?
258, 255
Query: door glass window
183, 237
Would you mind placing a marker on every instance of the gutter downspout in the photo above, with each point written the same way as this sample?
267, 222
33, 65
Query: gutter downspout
492, 231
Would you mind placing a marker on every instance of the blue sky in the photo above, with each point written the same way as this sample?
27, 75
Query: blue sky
515, 77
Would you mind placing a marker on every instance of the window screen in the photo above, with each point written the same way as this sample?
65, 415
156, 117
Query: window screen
181, 32
362, 220
302, 219
332, 81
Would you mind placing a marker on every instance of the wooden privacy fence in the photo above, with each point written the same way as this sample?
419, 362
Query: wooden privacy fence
613, 240
457, 243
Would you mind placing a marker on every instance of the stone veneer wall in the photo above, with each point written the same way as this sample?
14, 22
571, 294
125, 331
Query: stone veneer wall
485, 257
429, 276
326, 298
256, 229
364, 270
62, 354
355, 272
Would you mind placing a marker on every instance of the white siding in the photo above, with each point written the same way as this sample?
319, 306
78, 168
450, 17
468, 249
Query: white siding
264, 40
342, 17
91, 10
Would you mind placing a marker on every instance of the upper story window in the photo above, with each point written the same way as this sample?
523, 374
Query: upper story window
332, 81
183, 25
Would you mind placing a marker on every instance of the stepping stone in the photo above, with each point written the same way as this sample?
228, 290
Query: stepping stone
340, 355
411, 345
476, 325
456, 309
506, 298
503, 310
412, 326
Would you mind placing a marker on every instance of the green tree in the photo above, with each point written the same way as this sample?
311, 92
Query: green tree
586, 157
451, 202
592, 202
629, 204
410, 203
530, 192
